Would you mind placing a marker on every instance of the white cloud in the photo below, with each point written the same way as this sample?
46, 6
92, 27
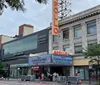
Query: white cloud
39, 15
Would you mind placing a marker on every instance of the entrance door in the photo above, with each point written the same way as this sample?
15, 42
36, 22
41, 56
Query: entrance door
84, 74
57, 69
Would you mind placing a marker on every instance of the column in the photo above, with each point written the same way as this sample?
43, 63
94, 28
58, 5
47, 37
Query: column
72, 71
60, 40
50, 42
71, 38
84, 35
29, 71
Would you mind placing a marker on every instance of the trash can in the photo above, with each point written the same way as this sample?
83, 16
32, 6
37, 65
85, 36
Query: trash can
32, 78
27, 78
23, 78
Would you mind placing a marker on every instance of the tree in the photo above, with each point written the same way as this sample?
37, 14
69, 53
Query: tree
93, 53
16, 4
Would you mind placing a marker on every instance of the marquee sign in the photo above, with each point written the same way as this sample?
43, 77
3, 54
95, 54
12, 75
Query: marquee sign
58, 52
57, 59
54, 17
39, 60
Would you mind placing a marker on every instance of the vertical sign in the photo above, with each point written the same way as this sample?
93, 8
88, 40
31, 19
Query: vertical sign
54, 17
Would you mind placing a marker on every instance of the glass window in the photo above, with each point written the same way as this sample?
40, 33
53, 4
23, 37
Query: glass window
55, 38
66, 34
78, 49
81, 74
91, 43
55, 48
66, 49
24, 44
91, 27
86, 74
77, 31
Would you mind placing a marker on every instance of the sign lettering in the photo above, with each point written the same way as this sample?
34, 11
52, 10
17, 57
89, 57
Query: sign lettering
54, 17
58, 52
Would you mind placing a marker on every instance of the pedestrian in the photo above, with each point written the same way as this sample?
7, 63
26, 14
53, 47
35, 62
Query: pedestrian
51, 77
48, 75
54, 76
77, 74
42, 76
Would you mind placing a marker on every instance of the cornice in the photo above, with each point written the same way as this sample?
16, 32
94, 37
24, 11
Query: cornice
80, 16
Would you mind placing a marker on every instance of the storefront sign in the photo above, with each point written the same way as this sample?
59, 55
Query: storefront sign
19, 65
42, 39
58, 52
62, 60
35, 68
54, 17
39, 60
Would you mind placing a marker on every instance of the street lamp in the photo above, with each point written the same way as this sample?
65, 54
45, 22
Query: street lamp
90, 65
18, 68
18, 72
90, 68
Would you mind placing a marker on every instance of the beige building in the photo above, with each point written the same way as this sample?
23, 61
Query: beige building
5, 38
76, 33
24, 30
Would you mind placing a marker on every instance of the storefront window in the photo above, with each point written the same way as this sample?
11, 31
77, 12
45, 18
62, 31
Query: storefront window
86, 74
81, 75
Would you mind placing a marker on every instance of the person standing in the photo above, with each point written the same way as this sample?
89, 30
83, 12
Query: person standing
42, 76
54, 76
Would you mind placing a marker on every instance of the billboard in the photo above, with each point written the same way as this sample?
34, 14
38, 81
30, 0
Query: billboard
39, 60
62, 60
54, 17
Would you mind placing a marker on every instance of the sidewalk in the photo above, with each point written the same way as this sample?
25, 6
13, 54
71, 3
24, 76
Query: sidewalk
54, 83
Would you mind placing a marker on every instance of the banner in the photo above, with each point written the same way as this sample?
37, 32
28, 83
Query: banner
61, 60
40, 60
54, 17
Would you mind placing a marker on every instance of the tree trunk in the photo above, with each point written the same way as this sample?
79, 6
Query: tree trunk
96, 75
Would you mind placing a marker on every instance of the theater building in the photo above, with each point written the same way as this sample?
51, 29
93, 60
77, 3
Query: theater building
59, 62
76, 33
15, 53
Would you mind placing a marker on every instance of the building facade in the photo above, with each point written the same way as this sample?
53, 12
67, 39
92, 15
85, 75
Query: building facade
15, 53
75, 34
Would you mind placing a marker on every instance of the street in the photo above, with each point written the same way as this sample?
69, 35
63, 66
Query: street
16, 82
3, 82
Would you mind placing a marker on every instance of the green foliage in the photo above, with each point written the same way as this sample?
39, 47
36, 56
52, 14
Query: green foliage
98, 83
16, 4
93, 53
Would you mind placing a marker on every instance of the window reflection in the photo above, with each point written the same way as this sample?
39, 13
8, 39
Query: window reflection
27, 43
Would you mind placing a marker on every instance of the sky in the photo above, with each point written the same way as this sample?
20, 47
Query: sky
38, 15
